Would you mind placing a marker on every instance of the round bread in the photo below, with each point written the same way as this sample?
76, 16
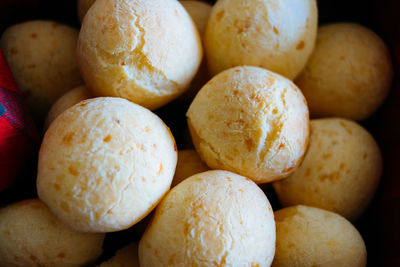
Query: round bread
340, 171
307, 236
104, 164
252, 122
199, 12
348, 75
83, 6
66, 101
215, 218
125, 257
32, 236
278, 35
189, 163
41, 56
146, 51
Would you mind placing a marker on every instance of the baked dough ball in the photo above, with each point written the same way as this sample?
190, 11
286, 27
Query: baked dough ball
189, 163
32, 236
125, 257
340, 171
83, 6
199, 12
146, 51
104, 164
215, 218
307, 236
66, 101
250, 121
349, 73
278, 35
42, 58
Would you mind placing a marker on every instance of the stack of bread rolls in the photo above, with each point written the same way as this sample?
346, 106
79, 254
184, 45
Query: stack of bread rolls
269, 98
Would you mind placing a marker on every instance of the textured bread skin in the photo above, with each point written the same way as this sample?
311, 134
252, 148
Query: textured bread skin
215, 218
340, 171
146, 51
307, 236
125, 257
82, 7
32, 236
104, 164
66, 101
189, 163
349, 73
250, 121
42, 58
278, 35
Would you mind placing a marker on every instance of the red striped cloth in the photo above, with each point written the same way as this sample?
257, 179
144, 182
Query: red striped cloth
18, 135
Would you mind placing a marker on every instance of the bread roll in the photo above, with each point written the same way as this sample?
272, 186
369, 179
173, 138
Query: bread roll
215, 218
348, 75
42, 58
104, 164
307, 236
252, 122
278, 35
340, 171
146, 51
32, 236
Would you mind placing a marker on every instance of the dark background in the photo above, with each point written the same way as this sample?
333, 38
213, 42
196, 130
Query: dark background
379, 226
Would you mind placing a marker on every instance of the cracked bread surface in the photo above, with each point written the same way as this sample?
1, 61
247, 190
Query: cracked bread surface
146, 51
214, 218
104, 164
250, 121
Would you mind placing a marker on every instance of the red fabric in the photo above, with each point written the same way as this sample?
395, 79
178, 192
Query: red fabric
18, 135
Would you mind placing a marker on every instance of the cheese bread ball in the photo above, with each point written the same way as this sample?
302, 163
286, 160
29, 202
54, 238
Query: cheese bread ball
32, 236
215, 218
146, 51
199, 12
250, 121
125, 257
278, 35
189, 163
104, 164
66, 101
348, 75
42, 58
83, 6
307, 236
340, 171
